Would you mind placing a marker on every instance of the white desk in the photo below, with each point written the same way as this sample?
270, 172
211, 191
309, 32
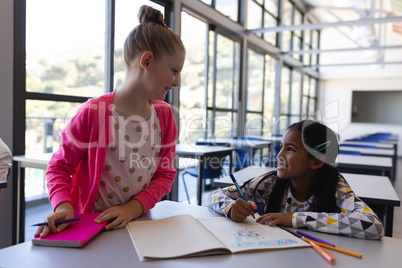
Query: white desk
359, 164
375, 152
115, 249
376, 191
379, 145
39, 161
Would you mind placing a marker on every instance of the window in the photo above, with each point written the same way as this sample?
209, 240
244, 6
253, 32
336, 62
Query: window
229, 8
260, 94
263, 14
125, 20
309, 97
223, 84
193, 121
290, 99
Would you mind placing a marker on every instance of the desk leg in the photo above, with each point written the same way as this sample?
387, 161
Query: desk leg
389, 220
20, 215
173, 195
230, 162
200, 174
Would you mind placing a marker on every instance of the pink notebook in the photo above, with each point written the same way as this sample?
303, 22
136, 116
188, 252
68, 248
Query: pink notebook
76, 235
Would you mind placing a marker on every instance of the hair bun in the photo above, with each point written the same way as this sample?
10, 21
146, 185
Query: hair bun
147, 14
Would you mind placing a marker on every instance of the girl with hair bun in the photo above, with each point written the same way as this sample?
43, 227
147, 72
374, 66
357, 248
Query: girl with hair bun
116, 155
305, 191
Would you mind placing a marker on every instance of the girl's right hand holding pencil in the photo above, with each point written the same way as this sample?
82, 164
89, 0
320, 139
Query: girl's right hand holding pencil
241, 210
63, 211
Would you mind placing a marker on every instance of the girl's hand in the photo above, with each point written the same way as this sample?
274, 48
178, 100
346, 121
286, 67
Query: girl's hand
63, 211
276, 218
241, 210
119, 216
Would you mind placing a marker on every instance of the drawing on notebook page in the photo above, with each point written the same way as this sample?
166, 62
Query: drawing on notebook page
246, 238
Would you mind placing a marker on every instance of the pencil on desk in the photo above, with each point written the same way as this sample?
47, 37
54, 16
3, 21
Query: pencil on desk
314, 238
322, 252
357, 255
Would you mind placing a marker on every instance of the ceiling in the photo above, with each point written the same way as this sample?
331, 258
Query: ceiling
359, 38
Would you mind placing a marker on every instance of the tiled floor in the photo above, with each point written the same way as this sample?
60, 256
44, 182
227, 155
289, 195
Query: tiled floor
38, 213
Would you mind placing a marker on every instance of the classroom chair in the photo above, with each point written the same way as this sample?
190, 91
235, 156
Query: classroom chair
211, 169
243, 157
349, 152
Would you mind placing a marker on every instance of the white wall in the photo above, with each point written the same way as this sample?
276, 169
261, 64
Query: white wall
6, 110
336, 101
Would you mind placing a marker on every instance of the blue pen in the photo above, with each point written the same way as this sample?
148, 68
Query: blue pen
57, 222
314, 238
240, 192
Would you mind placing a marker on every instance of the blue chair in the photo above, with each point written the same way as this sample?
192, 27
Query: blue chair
243, 156
211, 169
349, 152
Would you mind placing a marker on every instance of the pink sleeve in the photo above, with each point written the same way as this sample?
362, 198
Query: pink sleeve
65, 161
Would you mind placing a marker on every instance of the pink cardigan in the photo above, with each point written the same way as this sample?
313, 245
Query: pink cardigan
74, 171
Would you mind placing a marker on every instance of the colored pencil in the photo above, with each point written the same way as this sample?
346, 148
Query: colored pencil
357, 255
322, 252
290, 231
314, 238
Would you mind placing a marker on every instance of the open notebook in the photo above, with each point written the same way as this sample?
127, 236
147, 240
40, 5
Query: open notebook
185, 236
77, 234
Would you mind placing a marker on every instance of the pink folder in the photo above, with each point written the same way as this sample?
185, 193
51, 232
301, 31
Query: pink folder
76, 235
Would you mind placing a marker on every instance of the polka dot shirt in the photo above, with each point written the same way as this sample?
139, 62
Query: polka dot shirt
131, 160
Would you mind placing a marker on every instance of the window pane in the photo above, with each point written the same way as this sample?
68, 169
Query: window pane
269, 94
287, 18
228, 8
285, 88
270, 22
227, 73
313, 85
65, 49
294, 119
305, 106
254, 17
211, 68
126, 20
282, 124
254, 124
298, 20
314, 39
311, 109
272, 6
192, 79
44, 122
225, 124
296, 93
255, 81
286, 41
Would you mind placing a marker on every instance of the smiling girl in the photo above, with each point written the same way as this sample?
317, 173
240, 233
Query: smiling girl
116, 155
306, 190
